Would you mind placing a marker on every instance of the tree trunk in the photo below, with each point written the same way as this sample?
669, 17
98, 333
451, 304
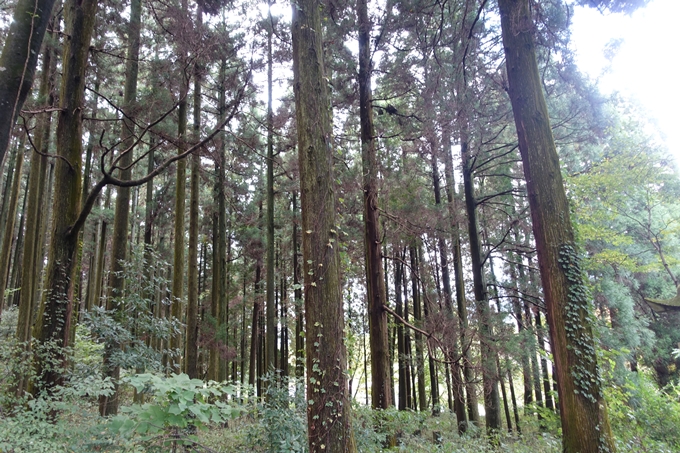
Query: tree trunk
489, 369
457, 389
299, 312
180, 204
271, 304
6, 248
58, 299
401, 349
34, 217
7, 189
101, 254
328, 403
585, 425
418, 316
18, 61
108, 405
375, 286
461, 301
540, 334
191, 347
434, 381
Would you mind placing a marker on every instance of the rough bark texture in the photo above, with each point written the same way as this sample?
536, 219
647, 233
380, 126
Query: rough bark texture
178, 255
585, 424
34, 216
18, 61
328, 403
418, 316
6, 248
457, 387
271, 304
191, 347
492, 405
57, 303
108, 405
375, 286
299, 312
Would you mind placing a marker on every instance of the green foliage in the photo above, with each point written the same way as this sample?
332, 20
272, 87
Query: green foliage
282, 426
44, 423
643, 417
134, 323
180, 405
578, 324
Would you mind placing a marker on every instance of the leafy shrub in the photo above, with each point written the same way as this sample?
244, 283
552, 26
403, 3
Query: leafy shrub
179, 407
282, 419
643, 417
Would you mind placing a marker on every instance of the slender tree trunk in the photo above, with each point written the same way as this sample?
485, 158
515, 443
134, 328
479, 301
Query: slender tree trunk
434, 381
180, 204
401, 353
458, 392
328, 420
489, 368
191, 347
585, 425
18, 60
7, 238
101, 254
418, 315
7, 189
461, 301
299, 303
15, 278
380, 382
34, 218
57, 303
255, 330
108, 405
271, 304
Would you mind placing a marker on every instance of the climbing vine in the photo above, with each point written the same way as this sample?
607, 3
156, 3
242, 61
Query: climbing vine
578, 314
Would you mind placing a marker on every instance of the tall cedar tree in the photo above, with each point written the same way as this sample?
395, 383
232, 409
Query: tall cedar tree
381, 393
328, 406
18, 61
108, 405
585, 425
180, 205
57, 302
191, 365
271, 299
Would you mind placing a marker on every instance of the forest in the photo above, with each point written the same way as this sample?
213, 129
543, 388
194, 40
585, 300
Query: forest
331, 226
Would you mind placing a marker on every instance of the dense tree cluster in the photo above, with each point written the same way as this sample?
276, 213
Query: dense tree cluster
423, 204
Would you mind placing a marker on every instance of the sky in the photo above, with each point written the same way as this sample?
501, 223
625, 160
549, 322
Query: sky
646, 66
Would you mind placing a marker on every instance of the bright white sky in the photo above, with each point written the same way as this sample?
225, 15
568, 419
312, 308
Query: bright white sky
646, 68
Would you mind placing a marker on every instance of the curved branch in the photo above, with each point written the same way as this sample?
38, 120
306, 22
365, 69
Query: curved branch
109, 179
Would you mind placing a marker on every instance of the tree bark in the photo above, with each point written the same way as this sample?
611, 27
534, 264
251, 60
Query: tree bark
18, 61
180, 204
490, 376
108, 405
299, 303
58, 299
328, 403
34, 216
6, 248
418, 316
585, 425
191, 347
271, 304
375, 286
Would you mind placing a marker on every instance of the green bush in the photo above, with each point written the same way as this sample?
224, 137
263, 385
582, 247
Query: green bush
178, 407
643, 417
281, 419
